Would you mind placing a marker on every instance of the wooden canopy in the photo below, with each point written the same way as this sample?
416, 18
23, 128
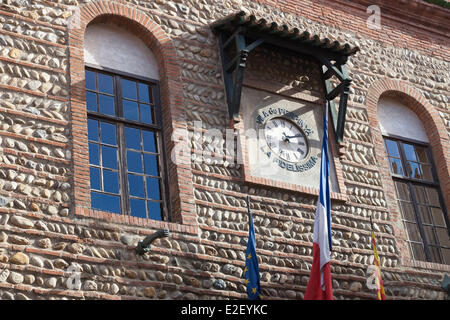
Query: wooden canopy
239, 33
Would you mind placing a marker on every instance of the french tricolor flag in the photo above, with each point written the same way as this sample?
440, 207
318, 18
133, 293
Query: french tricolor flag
319, 284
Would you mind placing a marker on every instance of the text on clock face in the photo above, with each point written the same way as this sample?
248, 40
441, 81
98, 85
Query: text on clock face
286, 139
264, 115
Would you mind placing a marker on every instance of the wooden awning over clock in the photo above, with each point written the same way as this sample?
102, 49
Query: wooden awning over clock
239, 33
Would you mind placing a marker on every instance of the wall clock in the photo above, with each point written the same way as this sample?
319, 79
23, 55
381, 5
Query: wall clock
281, 140
286, 138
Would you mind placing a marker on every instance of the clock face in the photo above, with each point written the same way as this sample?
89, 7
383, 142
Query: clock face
286, 139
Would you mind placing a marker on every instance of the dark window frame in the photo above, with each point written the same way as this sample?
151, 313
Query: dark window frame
411, 182
121, 122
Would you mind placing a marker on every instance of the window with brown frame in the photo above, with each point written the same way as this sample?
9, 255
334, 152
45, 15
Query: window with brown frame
126, 158
420, 199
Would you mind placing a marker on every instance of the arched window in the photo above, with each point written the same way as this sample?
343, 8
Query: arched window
417, 187
126, 158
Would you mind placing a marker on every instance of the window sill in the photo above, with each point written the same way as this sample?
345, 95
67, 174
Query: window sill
426, 265
135, 221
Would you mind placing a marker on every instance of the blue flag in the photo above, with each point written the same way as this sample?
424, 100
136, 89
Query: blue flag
251, 271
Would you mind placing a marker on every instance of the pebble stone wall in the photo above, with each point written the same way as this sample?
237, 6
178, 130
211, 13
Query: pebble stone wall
41, 236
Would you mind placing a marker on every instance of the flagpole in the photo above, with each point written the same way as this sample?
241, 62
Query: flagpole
248, 207
319, 284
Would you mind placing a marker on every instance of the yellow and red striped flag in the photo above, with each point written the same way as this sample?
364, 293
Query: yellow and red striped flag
379, 281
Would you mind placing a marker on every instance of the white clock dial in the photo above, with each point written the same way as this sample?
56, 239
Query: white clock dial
286, 139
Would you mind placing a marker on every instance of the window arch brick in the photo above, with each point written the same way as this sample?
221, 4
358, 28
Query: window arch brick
436, 133
180, 177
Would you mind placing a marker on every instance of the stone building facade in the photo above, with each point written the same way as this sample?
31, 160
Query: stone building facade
55, 245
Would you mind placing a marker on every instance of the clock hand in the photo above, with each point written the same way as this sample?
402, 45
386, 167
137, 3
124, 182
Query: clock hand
285, 138
296, 136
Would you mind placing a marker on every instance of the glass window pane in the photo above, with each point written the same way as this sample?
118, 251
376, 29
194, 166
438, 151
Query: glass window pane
154, 210
144, 93
110, 181
105, 202
433, 197
409, 152
408, 211
94, 174
396, 166
419, 193
438, 217
146, 113
94, 157
392, 148
429, 234
403, 191
421, 154
129, 89
130, 110
91, 101
133, 138
151, 164
136, 185
425, 215
414, 170
92, 130
105, 83
149, 140
426, 172
446, 255
435, 254
444, 238
108, 133
137, 208
134, 162
413, 232
109, 157
417, 250
153, 191
90, 80
106, 105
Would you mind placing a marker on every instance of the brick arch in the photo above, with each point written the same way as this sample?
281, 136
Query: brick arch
140, 24
436, 133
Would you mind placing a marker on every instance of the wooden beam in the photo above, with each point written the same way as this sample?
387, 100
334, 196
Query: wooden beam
335, 92
227, 77
238, 78
332, 69
293, 46
238, 75
343, 106
231, 38
254, 44
328, 88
